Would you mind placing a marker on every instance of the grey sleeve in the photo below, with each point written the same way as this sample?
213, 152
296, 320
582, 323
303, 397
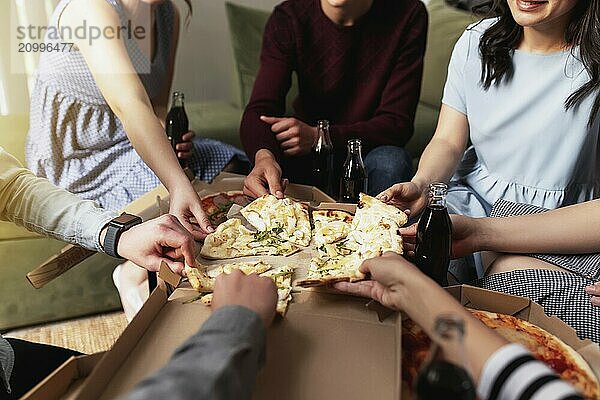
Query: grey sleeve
219, 362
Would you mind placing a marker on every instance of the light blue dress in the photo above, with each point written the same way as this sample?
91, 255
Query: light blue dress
78, 143
525, 147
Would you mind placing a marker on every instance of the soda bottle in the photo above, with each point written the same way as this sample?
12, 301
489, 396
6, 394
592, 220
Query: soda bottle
445, 375
434, 236
354, 175
322, 159
177, 123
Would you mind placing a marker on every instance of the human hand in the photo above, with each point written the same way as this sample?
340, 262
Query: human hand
294, 136
265, 177
395, 282
184, 149
254, 292
157, 240
594, 291
405, 196
185, 205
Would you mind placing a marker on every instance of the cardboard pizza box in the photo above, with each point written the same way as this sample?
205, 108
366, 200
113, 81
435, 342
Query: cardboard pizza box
66, 380
308, 353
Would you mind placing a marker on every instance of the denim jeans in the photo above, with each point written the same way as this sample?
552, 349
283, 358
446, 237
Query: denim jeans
385, 166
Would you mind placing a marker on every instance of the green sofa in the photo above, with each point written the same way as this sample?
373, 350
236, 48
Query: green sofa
83, 290
246, 25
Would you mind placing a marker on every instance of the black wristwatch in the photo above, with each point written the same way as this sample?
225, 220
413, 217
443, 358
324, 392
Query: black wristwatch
114, 230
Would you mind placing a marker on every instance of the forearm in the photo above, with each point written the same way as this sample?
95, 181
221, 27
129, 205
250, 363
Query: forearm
149, 140
438, 162
46, 209
219, 362
568, 230
479, 341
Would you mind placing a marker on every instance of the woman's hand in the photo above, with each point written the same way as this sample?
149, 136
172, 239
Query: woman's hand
406, 196
184, 149
594, 291
185, 205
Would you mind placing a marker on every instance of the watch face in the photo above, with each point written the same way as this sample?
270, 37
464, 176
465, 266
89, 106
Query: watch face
125, 219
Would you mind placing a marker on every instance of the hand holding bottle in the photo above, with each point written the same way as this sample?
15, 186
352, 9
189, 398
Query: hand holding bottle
184, 148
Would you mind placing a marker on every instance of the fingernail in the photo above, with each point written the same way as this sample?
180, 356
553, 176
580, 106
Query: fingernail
278, 193
589, 289
383, 197
210, 229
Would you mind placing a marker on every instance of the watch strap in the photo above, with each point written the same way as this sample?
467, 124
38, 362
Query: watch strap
114, 231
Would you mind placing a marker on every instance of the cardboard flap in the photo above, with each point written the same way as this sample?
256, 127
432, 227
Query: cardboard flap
168, 276
482, 299
102, 375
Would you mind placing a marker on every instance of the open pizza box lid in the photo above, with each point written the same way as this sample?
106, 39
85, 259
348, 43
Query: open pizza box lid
316, 352
523, 308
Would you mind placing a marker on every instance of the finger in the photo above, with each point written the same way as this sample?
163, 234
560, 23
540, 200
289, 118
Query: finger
283, 125
194, 229
290, 143
409, 230
407, 212
271, 120
286, 135
181, 242
387, 194
188, 136
595, 301
184, 146
184, 155
202, 219
593, 289
175, 266
274, 182
256, 186
362, 289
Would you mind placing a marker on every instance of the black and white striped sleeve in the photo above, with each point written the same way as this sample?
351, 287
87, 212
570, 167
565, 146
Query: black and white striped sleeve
511, 373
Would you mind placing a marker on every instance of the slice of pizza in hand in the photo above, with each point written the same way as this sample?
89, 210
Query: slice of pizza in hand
286, 218
232, 239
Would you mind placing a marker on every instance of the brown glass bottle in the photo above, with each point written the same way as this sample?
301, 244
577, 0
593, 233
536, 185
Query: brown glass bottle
354, 175
446, 373
434, 236
177, 123
322, 159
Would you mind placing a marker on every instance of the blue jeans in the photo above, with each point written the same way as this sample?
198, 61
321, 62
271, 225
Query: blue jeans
385, 166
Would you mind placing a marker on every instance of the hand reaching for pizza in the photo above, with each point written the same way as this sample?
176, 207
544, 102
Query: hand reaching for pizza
265, 177
406, 196
594, 291
162, 239
256, 293
186, 205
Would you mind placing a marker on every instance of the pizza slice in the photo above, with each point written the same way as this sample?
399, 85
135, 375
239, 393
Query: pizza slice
217, 205
331, 226
328, 270
544, 346
232, 239
202, 278
287, 217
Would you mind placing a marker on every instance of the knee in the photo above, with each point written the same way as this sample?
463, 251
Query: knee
391, 160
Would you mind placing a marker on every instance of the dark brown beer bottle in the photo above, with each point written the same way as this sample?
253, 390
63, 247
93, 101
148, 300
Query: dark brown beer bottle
434, 236
322, 159
177, 123
354, 175
445, 375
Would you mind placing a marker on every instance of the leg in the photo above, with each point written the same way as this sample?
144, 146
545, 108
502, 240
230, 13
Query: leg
132, 283
33, 362
387, 165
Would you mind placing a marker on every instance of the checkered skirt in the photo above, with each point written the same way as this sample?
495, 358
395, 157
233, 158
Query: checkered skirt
560, 293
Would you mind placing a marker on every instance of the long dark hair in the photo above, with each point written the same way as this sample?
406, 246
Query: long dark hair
501, 39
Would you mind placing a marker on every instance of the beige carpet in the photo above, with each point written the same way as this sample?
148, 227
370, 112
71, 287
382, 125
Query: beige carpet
86, 335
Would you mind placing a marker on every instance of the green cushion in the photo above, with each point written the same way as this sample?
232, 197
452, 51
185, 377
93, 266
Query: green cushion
86, 289
215, 119
246, 27
446, 25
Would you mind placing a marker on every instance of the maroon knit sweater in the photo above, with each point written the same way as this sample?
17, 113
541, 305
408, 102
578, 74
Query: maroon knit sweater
365, 79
